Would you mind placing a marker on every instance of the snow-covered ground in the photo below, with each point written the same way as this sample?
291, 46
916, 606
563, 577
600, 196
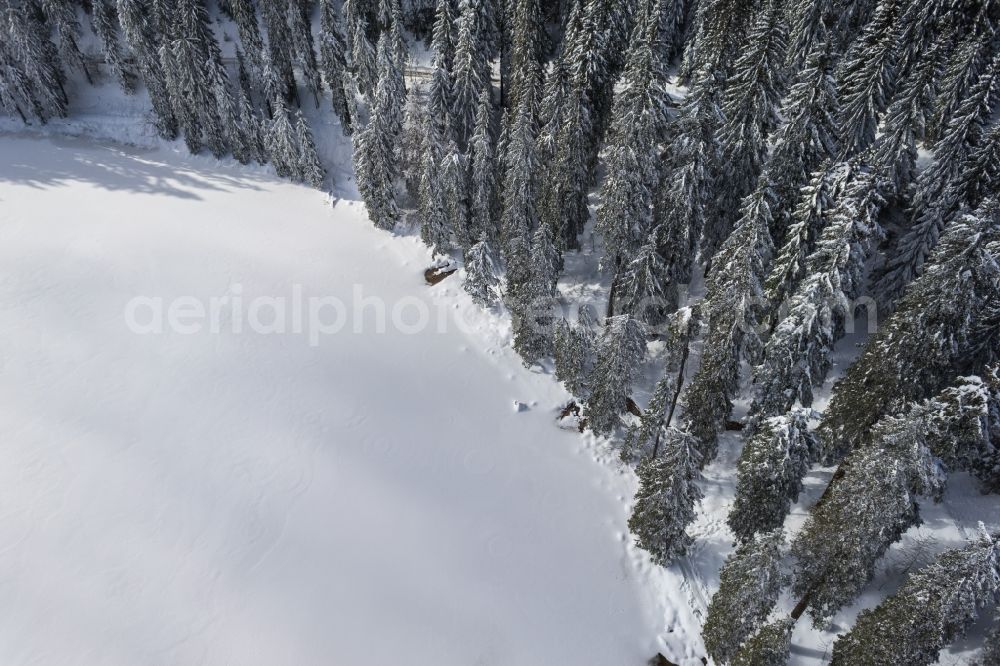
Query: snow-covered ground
191, 496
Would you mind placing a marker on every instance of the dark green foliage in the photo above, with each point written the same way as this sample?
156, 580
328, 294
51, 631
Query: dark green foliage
768, 647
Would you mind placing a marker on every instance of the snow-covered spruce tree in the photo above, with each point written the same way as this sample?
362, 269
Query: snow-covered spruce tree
555, 93
620, 350
817, 201
375, 156
665, 500
805, 140
412, 139
237, 134
534, 318
36, 59
770, 470
518, 216
970, 58
625, 216
685, 199
299, 22
251, 129
832, 21
563, 192
189, 57
981, 172
483, 204
643, 439
439, 101
733, 307
990, 655
244, 14
935, 606
938, 196
749, 106
573, 353
482, 277
720, 27
749, 585
364, 67
105, 24
16, 96
471, 74
797, 355
454, 183
963, 435
444, 39
523, 73
930, 337
871, 500
435, 228
333, 62
644, 286
283, 143
61, 15
867, 77
312, 169
142, 37
770, 646
280, 57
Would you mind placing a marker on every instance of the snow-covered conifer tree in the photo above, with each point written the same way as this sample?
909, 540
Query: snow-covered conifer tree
938, 196
749, 585
333, 62
106, 27
35, 57
935, 606
412, 139
771, 467
750, 106
471, 74
770, 646
733, 310
805, 140
929, 339
454, 183
363, 59
142, 37
482, 277
483, 204
312, 170
665, 501
444, 40
573, 352
300, 30
534, 318
283, 143
61, 15
620, 350
797, 356
868, 76
280, 55
871, 500
643, 439
375, 152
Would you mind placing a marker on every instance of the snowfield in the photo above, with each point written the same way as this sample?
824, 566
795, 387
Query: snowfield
199, 497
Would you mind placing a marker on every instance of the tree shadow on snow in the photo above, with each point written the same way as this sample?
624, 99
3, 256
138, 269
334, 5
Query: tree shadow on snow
115, 168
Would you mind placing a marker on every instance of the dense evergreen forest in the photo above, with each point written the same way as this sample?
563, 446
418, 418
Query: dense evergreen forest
801, 158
